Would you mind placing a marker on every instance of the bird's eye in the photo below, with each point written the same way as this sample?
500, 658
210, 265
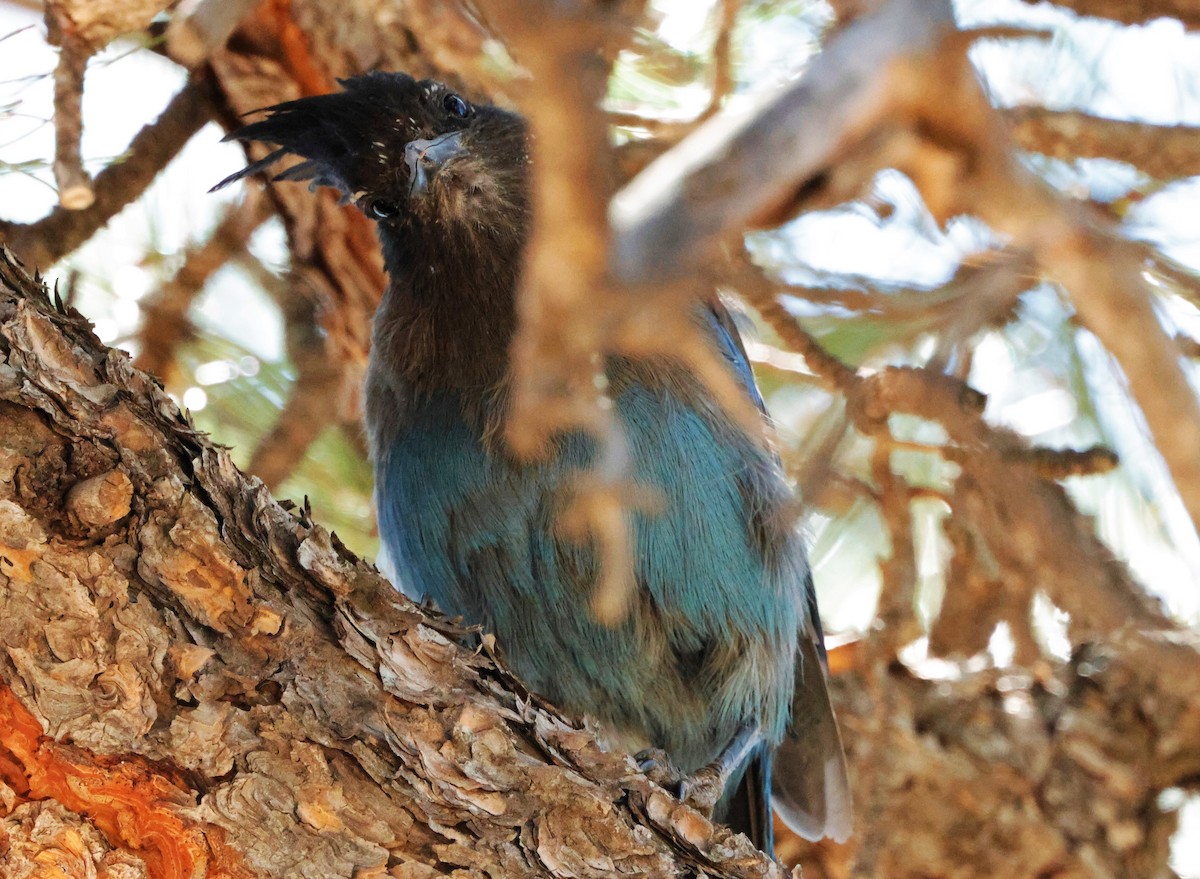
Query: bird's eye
382, 209
456, 106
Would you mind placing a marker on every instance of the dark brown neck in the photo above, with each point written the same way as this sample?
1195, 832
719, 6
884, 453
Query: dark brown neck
447, 319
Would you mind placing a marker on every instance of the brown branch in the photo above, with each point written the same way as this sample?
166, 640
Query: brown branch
74, 183
753, 285
165, 312
880, 93
970, 610
46, 241
1136, 11
1166, 152
896, 616
722, 63
1059, 464
1007, 32
982, 293
1085, 580
1103, 272
1004, 481
747, 165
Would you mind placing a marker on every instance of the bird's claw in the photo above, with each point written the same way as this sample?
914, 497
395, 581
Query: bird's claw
657, 766
701, 790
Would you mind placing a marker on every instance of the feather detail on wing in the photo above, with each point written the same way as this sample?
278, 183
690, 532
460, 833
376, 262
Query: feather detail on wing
810, 784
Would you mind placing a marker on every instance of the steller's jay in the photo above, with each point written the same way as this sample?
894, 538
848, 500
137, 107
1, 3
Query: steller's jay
720, 658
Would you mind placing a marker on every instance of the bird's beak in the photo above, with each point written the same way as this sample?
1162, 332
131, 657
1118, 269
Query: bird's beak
425, 157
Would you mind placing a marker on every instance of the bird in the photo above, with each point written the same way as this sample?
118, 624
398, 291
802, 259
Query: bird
719, 663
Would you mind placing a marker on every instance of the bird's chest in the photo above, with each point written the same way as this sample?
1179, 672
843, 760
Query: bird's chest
711, 629
464, 524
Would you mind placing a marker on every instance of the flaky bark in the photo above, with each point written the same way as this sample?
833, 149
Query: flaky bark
203, 683
198, 682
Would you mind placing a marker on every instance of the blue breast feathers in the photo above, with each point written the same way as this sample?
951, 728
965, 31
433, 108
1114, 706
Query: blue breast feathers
709, 643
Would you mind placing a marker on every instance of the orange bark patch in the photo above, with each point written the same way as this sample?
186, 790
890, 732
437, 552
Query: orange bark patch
15, 562
297, 55
130, 800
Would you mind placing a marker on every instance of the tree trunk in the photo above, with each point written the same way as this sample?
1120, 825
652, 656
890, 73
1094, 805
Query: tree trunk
197, 681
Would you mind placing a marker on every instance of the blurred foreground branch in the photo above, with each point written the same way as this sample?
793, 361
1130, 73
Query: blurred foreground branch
1187, 12
895, 89
1166, 152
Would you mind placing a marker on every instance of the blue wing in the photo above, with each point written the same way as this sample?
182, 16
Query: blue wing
729, 343
809, 779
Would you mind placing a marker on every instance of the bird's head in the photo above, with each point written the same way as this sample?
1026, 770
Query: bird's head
411, 154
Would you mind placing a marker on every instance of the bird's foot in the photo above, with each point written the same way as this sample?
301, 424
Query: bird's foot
701, 790
658, 767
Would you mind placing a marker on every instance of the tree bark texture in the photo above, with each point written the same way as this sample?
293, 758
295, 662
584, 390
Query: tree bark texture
196, 681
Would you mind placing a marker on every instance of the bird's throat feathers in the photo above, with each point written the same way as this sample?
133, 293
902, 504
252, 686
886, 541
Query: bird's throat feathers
447, 318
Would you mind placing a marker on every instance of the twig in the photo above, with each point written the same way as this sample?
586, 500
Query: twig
1063, 463
760, 292
314, 400
1166, 152
1007, 32
968, 615
750, 162
984, 295
818, 482
1103, 272
1136, 11
1009, 476
1074, 568
634, 155
46, 241
878, 90
896, 614
722, 57
74, 184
